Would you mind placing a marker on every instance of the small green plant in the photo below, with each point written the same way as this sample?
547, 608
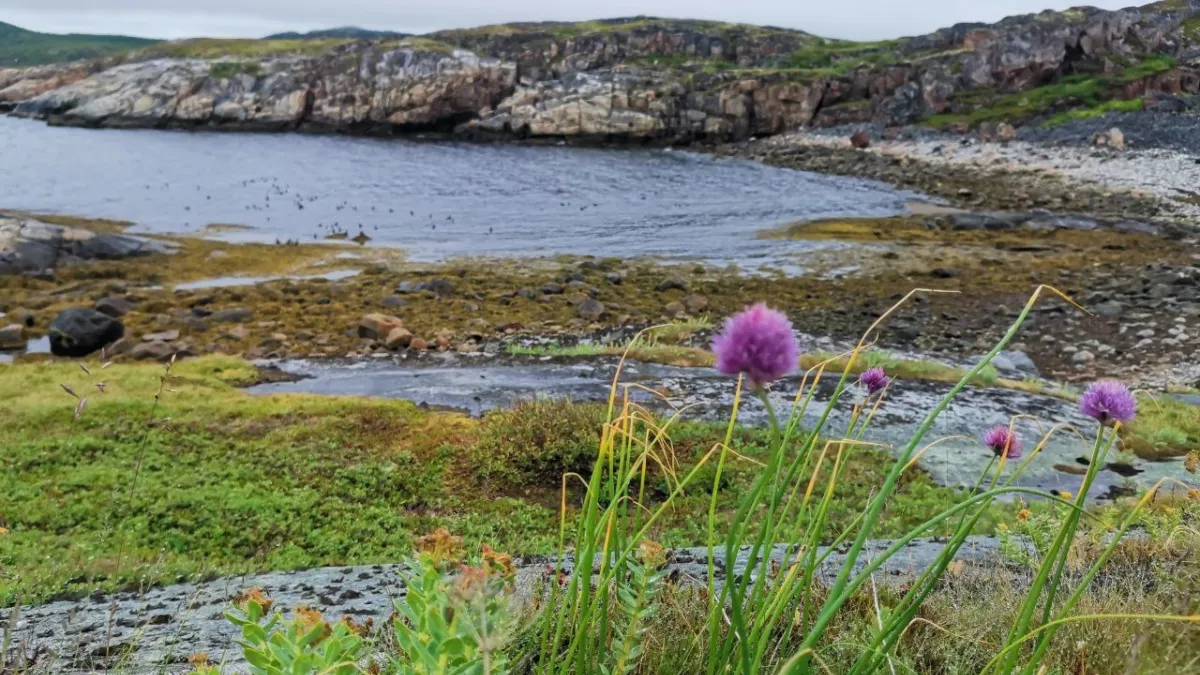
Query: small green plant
452, 623
304, 644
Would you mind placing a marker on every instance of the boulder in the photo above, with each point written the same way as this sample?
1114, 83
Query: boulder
376, 326
12, 336
695, 303
418, 344
114, 306
1113, 138
591, 309
153, 351
28, 245
861, 139
672, 283
398, 338
80, 331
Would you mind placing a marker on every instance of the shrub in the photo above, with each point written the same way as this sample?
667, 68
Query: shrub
537, 441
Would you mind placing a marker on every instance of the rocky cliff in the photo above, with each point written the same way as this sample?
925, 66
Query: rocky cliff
641, 80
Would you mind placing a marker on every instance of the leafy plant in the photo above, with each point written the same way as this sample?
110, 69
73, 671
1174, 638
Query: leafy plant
450, 625
304, 644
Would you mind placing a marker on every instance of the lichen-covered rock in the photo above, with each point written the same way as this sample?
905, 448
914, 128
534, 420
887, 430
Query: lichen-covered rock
29, 245
641, 79
79, 331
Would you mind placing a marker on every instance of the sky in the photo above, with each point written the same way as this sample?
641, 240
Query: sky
172, 19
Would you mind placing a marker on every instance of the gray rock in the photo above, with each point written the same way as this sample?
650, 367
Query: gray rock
235, 315
114, 306
79, 331
672, 283
552, 288
393, 302
1111, 308
1082, 356
153, 351
1014, 365
591, 309
12, 336
31, 246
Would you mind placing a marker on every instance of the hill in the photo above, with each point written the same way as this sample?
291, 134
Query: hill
346, 32
20, 47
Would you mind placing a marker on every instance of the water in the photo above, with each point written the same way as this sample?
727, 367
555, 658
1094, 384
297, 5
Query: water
435, 200
956, 460
232, 282
36, 346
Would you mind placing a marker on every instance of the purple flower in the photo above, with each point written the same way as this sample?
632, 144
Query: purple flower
1002, 441
759, 343
1108, 401
874, 379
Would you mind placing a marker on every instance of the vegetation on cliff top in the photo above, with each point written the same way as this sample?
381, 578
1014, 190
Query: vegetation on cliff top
20, 47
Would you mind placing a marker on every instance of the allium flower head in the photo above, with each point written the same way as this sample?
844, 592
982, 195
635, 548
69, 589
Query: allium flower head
1108, 401
1002, 441
759, 343
874, 379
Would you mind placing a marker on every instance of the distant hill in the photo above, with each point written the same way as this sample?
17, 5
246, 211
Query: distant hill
20, 47
345, 32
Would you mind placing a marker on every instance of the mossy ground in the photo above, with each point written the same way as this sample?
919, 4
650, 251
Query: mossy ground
228, 482
1072, 97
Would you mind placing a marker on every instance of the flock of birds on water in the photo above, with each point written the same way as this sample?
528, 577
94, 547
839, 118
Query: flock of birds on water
336, 230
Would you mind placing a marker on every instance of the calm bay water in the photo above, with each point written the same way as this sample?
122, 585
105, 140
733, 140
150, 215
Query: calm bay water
436, 200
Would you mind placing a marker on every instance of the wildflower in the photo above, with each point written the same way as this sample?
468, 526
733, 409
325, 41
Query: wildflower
199, 659
874, 379
757, 342
1023, 515
309, 619
1065, 495
3, 531
442, 547
495, 562
253, 595
1108, 401
1192, 463
1002, 442
651, 553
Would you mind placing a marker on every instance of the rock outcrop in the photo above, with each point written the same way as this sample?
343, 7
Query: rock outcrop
31, 246
80, 331
639, 80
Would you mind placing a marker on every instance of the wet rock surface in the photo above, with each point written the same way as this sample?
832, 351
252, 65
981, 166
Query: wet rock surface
155, 630
31, 246
478, 384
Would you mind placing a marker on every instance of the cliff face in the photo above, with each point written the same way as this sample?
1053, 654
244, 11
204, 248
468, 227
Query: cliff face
640, 80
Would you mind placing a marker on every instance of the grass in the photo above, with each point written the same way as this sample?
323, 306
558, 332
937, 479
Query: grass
231, 482
20, 48
213, 48
1086, 95
1165, 428
223, 70
1130, 105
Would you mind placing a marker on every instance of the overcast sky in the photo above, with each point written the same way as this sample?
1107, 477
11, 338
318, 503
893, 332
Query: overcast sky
852, 19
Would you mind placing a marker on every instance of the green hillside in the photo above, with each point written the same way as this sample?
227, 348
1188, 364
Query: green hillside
20, 47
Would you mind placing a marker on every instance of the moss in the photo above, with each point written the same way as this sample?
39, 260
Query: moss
1165, 427
211, 48
1191, 29
223, 70
1131, 105
229, 482
1093, 94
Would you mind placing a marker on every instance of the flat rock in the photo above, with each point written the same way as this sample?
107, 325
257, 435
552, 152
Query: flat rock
29, 245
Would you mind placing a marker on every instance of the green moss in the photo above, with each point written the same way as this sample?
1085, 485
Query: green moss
223, 70
1165, 427
229, 482
1191, 29
211, 48
1095, 95
1131, 105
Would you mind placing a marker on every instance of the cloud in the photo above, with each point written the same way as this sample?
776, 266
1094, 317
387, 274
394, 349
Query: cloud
852, 19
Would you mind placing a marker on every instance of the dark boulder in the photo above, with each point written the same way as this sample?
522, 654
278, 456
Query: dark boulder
114, 306
79, 331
